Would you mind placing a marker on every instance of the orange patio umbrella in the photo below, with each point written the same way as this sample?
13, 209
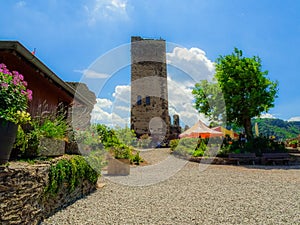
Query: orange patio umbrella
200, 129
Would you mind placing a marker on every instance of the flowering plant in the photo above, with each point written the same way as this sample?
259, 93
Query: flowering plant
14, 95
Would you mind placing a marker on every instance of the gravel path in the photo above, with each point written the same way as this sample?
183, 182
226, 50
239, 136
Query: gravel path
218, 195
154, 155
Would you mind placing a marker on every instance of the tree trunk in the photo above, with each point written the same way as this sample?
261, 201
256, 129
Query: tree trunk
248, 128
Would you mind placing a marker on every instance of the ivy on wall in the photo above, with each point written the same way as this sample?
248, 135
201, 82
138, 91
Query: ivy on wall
69, 172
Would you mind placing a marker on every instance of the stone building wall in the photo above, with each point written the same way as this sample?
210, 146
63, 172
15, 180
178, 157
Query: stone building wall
149, 89
22, 198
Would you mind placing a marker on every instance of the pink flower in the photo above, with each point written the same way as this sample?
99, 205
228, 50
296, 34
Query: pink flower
6, 71
5, 85
29, 94
15, 81
2, 66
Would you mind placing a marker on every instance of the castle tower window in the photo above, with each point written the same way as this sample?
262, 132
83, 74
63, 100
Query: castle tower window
148, 100
139, 100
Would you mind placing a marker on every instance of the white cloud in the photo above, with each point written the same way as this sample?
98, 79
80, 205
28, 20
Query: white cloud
106, 9
295, 118
181, 102
198, 67
92, 74
122, 108
267, 115
122, 93
114, 112
104, 103
193, 62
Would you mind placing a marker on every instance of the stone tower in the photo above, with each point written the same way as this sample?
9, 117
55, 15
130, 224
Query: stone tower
149, 89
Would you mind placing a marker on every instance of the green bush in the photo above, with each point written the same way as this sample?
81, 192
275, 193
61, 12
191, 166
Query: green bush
144, 141
198, 153
68, 172
257, 145
136, 158
201, 148
28, 140
173, 144
107, 135
50, 126
88, 137
126, 136
184, 151
121, 151
186, 147
118, 142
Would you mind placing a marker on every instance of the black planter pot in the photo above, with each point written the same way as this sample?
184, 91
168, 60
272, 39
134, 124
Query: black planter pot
8, 132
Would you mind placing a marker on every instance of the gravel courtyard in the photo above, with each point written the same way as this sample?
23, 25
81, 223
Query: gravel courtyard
218, 195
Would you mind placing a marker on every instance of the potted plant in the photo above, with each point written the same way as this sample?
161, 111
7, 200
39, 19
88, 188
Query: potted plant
50, 133
119, 160
14, 97
46, 137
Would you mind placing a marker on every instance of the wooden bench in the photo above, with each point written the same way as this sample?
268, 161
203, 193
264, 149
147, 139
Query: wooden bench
276, 157
242, 157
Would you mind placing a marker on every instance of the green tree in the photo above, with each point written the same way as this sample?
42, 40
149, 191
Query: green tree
246, 90
126, 136
209, 100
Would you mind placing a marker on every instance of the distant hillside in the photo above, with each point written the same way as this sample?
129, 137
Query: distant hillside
277, 127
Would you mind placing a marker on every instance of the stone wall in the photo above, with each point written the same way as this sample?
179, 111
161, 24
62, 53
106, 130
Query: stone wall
22, 196
149, 88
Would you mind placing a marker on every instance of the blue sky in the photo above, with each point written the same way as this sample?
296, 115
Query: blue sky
69, 37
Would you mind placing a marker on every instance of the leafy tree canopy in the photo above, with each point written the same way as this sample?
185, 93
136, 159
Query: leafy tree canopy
246, 90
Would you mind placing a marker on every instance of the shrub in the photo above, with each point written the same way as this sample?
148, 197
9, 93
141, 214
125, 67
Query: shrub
107, 135
257, 145
144, 141
186, 146
88, 138
121, 151
50, 127
69, 171
173, 144
126, 136
118, 142
136, 158
28, 140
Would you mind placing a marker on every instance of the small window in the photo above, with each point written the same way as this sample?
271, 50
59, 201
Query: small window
148, 100
139, 100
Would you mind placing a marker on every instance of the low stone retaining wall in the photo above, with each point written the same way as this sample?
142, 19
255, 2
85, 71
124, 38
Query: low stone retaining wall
23, 199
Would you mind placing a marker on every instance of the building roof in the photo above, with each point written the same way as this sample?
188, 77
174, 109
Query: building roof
17, 47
